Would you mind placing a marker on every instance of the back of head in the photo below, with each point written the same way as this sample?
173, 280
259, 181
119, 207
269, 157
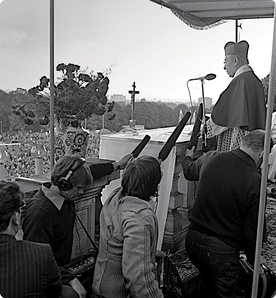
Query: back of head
11, 199
141, 177
81, 175
255, 140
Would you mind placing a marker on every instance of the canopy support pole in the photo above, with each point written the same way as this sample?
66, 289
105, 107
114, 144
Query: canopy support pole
237, 30
259, 240
52, 132
237, 26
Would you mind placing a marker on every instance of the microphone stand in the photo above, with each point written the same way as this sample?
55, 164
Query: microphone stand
204, 130
208, 77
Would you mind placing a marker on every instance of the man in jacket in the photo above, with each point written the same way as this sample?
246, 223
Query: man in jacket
50, 215
225, 213
27, 269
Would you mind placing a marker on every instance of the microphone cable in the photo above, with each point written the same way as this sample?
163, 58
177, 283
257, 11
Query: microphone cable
85, 230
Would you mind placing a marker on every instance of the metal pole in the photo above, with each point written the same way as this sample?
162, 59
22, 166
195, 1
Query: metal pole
271, 90
204, 131
52, 103
236, 31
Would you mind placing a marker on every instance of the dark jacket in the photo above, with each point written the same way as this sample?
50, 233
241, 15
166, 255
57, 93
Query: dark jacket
45, 223
27, 269
227, 199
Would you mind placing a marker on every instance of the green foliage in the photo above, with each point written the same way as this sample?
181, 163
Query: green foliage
26, 109
184, 108
5, 107
77, 93
150, 114
265, 82
153, 115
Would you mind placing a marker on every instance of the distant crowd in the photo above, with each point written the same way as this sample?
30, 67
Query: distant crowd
21, 162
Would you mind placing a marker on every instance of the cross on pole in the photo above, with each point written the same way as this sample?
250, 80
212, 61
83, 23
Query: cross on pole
133, 92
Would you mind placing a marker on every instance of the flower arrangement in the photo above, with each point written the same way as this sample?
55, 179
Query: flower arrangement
77, 94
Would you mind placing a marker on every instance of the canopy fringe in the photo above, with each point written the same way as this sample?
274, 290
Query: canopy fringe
184, 17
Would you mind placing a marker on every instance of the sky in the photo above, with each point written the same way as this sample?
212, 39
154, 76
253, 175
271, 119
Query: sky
143, 42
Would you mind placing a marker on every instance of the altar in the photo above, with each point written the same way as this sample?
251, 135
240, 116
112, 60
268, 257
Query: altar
176, 194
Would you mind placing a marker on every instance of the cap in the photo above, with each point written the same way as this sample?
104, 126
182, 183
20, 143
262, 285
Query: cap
239, 49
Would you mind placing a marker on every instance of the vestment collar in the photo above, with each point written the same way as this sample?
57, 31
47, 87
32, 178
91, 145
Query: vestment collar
244, 68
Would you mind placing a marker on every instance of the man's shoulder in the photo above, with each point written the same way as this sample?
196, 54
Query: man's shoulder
34, 245
248, 76
218, 157
232, 154
136, 209
209, 156
34, 251
40, 203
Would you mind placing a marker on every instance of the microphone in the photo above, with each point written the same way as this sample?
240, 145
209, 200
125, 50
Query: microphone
196, 128
140, 146
209, 77
166, 149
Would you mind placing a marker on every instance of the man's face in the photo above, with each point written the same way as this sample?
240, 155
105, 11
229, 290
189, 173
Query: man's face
79, 189
260, 161
230, 65
74, 192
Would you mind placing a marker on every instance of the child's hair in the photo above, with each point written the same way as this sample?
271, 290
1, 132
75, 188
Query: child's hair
141, 177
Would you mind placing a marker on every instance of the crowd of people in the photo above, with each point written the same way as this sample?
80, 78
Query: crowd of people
21, 162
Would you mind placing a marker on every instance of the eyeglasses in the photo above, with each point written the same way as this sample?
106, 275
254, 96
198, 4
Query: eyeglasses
229, 59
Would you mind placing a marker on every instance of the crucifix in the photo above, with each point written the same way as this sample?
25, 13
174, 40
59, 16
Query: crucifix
133, 92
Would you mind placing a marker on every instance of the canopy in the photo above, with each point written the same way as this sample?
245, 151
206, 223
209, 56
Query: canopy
203, 14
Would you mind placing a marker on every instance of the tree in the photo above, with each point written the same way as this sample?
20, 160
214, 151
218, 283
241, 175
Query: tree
265, 82
113, 124
182, 107
150, 114
153, 115
5, 108
77, 93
